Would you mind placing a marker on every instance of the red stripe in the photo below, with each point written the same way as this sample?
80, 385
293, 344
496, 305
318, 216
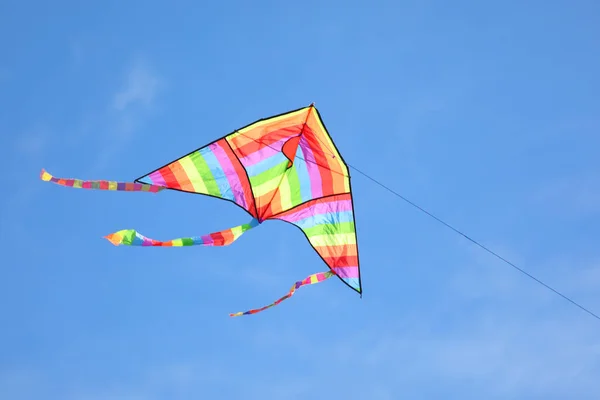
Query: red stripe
217, 238
343, 261
256, 139
169, 177
321, 160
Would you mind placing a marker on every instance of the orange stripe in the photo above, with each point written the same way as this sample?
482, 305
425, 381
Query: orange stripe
181, 176
253, 141
274, 206
321, 160
269, 125
263, 203
327, 155
337, 251
227, 235
169, 177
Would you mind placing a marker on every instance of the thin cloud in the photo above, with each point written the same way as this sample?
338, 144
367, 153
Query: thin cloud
130, 106
141, 87
33, 142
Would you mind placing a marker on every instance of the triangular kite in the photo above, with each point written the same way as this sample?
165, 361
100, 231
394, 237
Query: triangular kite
284, 167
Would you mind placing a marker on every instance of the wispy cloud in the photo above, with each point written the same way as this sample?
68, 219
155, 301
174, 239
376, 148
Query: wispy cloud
129, 107
141, 87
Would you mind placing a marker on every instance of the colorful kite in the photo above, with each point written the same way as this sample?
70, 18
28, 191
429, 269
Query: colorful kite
284, 167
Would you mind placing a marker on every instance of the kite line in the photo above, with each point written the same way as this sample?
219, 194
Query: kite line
467, 237
473, 241
453, 229
331, 154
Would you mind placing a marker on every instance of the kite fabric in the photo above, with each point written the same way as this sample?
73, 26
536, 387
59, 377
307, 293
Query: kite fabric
285, 168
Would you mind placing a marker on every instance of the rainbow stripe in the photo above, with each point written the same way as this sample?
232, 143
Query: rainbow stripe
212, 170
328, 223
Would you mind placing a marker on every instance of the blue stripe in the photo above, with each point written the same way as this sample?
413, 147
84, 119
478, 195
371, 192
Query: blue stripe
352, 282
266, 164
217, 172
327, 218
303, 176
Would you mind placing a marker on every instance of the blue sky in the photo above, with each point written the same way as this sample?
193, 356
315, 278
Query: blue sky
486, 114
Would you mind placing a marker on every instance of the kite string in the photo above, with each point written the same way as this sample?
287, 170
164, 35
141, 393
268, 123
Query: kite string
473, 241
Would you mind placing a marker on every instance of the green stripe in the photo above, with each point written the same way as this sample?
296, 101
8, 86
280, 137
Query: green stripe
269, 174
205, 173
294, 180
330, 229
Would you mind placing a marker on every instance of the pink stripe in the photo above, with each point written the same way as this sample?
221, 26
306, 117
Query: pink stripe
312, 167
347, 272
230, 173
207, 240
264, 153
323, 207
157, 179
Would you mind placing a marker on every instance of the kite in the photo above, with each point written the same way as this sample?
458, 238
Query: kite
285, 167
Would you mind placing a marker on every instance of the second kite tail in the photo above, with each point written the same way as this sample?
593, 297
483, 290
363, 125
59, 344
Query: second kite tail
309, 280
130, 237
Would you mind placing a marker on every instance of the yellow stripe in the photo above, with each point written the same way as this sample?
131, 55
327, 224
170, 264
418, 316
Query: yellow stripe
261, 124
333, 240
285, 193
266, 187
193, 175
112, 185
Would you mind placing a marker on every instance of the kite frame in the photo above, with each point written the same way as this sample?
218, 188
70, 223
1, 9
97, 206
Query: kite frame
137, 180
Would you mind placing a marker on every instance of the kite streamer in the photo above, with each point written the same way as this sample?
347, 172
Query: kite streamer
130, 237
285, 167
310, 280
100, 184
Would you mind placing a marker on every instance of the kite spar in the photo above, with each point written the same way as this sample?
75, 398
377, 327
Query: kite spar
285, 167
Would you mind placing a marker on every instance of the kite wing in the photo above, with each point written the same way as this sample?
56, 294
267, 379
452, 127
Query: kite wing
213, 170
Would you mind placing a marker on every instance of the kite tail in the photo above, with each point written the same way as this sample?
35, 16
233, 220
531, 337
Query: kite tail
312, 279
130, 237
101, 184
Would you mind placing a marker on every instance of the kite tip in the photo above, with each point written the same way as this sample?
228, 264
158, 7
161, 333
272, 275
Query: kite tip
45, 176
114, 238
